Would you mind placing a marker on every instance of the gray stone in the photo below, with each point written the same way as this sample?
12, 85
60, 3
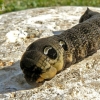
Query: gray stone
80, 81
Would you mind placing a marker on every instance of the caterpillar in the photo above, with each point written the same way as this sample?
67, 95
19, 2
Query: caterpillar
46, 57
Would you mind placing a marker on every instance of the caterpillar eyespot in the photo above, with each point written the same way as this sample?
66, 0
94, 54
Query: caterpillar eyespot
63, 44
50, 52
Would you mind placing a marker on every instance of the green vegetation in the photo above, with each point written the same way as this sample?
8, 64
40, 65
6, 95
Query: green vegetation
14, 5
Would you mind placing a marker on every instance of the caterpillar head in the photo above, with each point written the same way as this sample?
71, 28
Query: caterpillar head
43, 59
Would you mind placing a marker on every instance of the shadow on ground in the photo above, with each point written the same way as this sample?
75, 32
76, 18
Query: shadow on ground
12, 79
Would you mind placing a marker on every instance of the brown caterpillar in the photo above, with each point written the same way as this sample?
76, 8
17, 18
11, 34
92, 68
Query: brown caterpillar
45, 57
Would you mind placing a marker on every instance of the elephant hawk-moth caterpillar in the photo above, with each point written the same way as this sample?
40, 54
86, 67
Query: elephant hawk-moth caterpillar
44, 58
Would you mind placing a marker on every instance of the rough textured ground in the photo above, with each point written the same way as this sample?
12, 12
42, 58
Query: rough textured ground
81, 81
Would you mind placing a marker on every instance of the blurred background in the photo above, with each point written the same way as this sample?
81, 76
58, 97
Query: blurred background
15, 5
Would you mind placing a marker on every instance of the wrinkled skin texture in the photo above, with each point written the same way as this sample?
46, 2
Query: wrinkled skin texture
46, 57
